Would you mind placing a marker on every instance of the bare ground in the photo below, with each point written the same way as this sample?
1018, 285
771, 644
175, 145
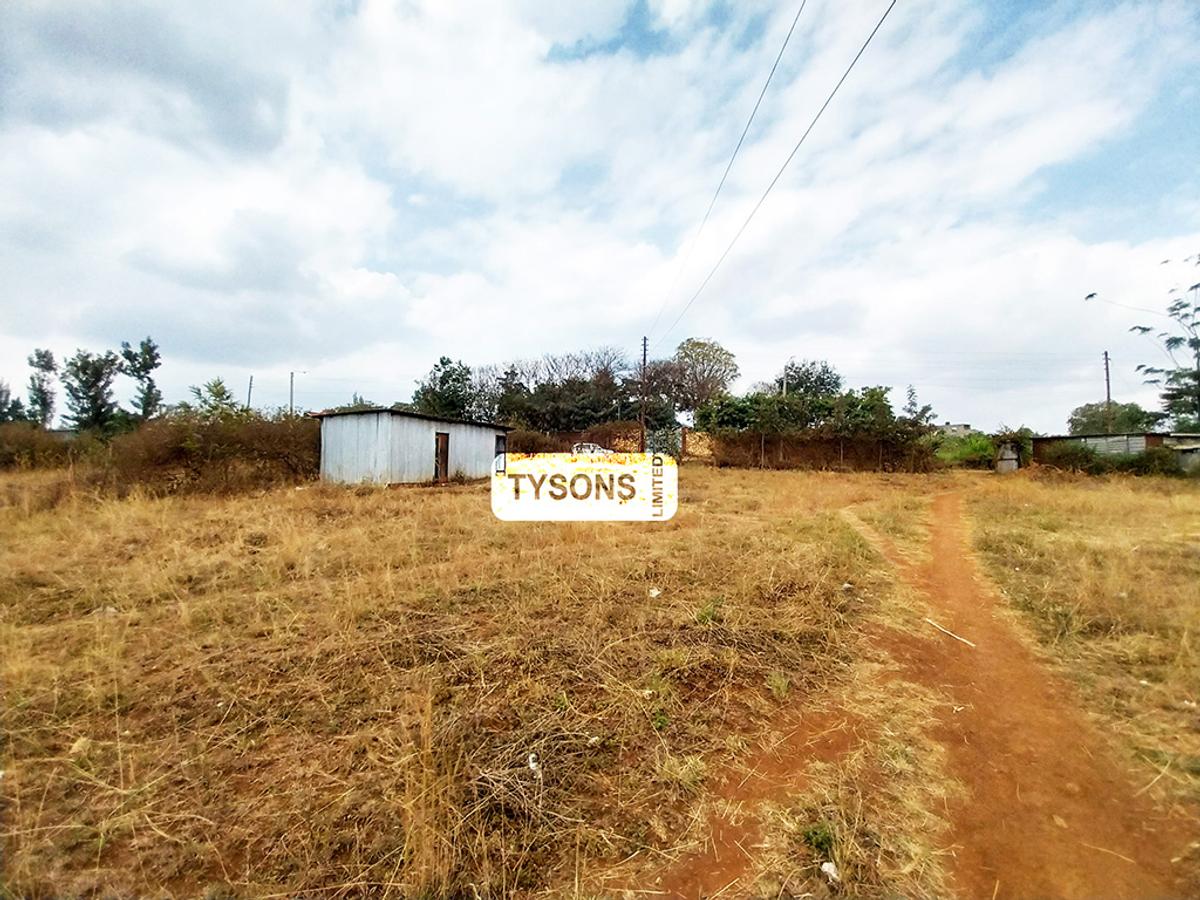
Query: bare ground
1048, 812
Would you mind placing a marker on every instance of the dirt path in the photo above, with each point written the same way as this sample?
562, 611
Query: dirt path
1048, 812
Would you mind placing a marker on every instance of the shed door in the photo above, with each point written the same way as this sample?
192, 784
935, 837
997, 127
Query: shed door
501, 453
441, 459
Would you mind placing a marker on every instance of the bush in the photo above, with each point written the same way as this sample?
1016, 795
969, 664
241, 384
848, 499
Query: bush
189, 449
1151, 461
972, 451
620, 436
27, 446
811, 449
523, 441
1074, 457
1021, 437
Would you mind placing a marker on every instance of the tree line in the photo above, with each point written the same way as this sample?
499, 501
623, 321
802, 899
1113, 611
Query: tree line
574, 391
87, 380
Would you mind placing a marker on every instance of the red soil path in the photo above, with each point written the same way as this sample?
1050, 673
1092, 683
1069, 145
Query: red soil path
1047, 810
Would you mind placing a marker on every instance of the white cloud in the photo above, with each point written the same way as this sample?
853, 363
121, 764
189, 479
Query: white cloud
354, 195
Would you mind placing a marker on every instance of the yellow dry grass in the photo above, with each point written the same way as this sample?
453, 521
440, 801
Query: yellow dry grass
374, 692
343, 688
1108, 574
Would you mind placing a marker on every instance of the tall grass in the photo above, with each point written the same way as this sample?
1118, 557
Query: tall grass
313, 687
1108, 574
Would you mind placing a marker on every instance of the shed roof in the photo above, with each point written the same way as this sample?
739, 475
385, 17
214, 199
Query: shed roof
1115, 434
395, 411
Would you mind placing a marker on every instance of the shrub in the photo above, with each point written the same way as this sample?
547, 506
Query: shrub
620, 436
1021, 436
27, 446
812, 449
192, 449
1074, 457
523, 441
1151, 461
972, 451
1077, 457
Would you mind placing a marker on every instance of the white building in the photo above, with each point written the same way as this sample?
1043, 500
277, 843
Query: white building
392, 446
955, 429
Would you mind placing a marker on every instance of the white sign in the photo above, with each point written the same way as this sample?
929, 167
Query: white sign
566, 487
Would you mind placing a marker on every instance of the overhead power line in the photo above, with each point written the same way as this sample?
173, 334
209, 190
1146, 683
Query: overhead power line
782, 169
729, 165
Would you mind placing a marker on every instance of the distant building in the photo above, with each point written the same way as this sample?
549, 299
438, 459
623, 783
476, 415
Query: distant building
950, 429
392, 446
1185, 446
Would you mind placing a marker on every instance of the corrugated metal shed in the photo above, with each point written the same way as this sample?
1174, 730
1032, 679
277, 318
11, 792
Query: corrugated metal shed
1104, 444
392, 446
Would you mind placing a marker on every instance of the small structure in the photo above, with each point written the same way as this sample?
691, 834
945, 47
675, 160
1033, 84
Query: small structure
382, 445
1008, 457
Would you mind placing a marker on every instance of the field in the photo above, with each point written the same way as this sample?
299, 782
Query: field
357, 692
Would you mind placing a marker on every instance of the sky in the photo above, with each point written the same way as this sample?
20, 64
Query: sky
349, 190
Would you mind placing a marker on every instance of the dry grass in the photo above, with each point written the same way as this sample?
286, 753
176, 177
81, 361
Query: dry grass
875, 814
343, 688
1108, 573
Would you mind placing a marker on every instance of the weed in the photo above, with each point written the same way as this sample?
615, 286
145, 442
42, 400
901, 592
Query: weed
779, 685
710, 611
684, 773
820, 838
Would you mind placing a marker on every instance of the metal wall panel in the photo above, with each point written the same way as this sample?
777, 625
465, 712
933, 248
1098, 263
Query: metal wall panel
1117, 444
391, 448
354, 449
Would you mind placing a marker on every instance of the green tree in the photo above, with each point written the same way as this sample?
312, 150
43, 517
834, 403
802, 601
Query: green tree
11, 408
41, 387
357, 402
812, 378
88, 379
139, 364
512, 401
214, 402
703, 370
917, 414
1093, 418
446, 390
1179, 382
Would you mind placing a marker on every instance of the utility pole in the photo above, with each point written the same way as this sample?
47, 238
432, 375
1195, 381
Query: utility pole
642, 416
249, 392
1108, 423
291, 393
